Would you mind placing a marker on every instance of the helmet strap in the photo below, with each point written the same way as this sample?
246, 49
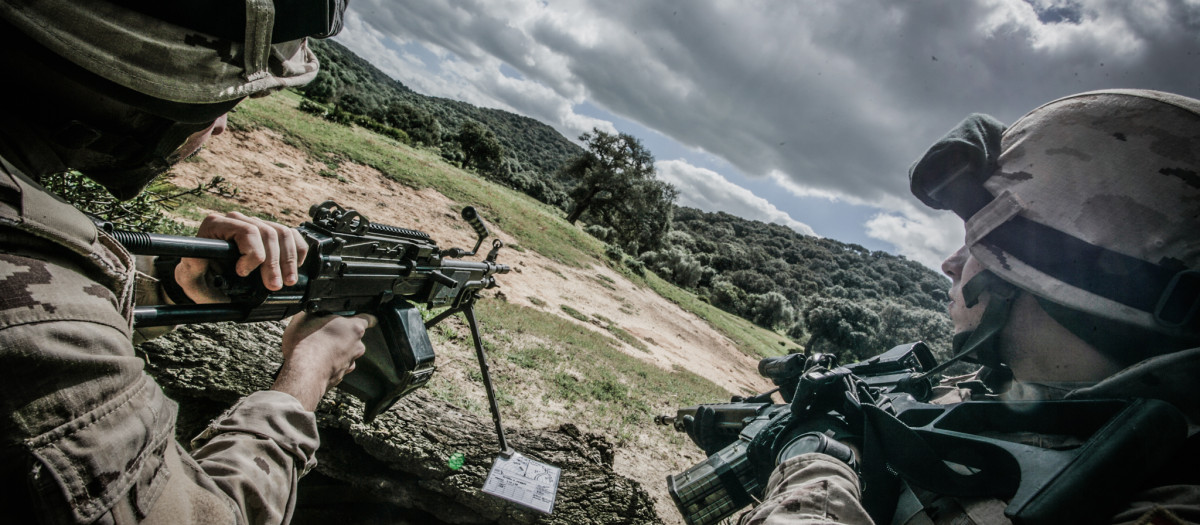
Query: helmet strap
981, 344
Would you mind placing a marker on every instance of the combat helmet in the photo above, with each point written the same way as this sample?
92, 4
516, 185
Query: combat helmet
1091, 203
185, 61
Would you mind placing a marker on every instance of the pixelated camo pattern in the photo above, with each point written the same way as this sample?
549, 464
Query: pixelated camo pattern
33, 290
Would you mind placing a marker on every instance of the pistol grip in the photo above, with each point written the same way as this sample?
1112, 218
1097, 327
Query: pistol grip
399, 359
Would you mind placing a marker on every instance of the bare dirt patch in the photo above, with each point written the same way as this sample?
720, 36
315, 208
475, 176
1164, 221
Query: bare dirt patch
277, 179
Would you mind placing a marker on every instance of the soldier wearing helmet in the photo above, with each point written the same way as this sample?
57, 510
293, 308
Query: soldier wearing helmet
120, 90
1079, 279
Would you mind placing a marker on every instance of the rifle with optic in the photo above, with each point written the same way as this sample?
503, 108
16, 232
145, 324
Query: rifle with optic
975, 449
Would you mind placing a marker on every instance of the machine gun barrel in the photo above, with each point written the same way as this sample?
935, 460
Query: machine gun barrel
141, 243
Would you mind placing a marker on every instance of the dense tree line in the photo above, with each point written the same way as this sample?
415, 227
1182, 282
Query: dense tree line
832, 296
837, 297
529, 155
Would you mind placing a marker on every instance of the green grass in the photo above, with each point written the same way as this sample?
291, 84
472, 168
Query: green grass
749, 338
570, 363
605, 281
574, 313
627, 337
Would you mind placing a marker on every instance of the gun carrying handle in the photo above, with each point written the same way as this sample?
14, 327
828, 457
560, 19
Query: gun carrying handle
481, 231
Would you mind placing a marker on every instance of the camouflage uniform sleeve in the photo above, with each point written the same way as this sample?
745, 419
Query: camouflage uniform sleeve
810, 489
257, 451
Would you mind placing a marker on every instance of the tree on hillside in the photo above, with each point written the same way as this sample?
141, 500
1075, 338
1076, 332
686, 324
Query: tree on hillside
772, 310
607, 171
480, 147
843, 328
615, 187
642, 219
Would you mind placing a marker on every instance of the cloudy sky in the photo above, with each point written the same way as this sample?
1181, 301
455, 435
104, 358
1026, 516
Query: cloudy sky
804, 113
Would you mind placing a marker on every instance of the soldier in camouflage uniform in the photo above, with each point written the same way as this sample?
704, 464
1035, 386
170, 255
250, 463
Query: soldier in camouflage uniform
118, 93
1079, 279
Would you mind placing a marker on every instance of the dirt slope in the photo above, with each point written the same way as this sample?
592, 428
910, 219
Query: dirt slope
275, 178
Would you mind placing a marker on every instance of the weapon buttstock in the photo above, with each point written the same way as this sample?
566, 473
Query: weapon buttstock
399, 359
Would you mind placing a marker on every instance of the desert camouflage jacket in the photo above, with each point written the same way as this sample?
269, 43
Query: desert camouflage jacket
85, 435
817, 489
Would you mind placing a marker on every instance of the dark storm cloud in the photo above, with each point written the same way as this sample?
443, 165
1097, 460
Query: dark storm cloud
853, 90
836, 98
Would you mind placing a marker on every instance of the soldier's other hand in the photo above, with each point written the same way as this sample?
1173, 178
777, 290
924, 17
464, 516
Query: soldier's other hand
275, 249
318, 351
788, 435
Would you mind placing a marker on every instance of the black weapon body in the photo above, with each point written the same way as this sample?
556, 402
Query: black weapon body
967, 449
353, 266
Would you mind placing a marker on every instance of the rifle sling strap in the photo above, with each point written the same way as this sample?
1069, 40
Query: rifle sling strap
906, 453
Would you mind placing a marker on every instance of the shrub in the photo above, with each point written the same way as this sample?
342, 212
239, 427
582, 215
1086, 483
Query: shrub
637, 266
600, 232
613, 251
146, 212
313, 108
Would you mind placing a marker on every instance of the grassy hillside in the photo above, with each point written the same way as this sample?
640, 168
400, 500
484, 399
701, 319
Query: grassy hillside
552, 363
533, 349
833, 297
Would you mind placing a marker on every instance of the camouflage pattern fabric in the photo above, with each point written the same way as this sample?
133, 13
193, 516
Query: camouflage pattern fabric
163, 60
810, 489
86, 434
1116, 169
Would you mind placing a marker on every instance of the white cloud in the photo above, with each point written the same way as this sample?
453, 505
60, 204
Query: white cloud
709, 191
927, 238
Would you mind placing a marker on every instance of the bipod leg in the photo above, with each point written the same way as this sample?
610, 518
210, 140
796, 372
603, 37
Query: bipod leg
442, 316
469, 312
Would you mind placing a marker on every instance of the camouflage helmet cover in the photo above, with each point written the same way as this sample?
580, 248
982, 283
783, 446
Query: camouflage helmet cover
1097, 208
164, 60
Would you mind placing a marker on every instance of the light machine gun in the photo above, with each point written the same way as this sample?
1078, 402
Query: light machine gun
1107, 448
353, 266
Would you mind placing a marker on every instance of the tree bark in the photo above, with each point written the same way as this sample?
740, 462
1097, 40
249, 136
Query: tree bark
580, 206
394, 470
